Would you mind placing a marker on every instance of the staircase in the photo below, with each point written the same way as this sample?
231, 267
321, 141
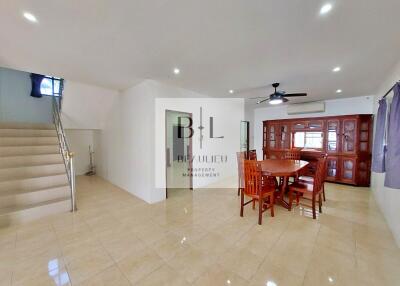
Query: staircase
33, 177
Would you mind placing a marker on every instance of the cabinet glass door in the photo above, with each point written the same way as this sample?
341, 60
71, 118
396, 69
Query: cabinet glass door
272, 136
349, 136
332, 168
284, 136
348, 169
332, 136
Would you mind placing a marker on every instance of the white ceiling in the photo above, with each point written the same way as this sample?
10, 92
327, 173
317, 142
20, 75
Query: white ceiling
218, 45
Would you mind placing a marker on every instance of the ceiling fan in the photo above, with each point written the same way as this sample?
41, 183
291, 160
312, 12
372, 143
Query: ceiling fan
279, 96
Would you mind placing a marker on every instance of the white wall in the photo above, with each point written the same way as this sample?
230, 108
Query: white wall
79, 141
85, 112
388, 199
16, 104
345, 106
86, 106
127, 142
228, 113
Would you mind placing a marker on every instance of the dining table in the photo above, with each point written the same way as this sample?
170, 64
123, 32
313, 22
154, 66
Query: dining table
284, 168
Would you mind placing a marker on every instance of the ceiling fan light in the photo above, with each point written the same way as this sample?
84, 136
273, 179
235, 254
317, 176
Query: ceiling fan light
276, 101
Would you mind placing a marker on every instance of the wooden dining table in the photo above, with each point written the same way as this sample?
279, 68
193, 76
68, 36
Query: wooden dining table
283, 168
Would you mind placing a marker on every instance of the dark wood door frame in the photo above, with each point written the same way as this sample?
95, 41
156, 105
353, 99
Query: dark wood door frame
190, 153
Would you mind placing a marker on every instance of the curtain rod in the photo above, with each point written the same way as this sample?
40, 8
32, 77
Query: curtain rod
390, 90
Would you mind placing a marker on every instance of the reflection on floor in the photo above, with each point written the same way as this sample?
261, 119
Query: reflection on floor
198, 238
177, 175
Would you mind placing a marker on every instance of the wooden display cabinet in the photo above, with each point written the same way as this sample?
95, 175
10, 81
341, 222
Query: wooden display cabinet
346, 140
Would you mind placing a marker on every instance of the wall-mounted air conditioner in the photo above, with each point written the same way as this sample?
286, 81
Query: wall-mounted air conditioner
309, 107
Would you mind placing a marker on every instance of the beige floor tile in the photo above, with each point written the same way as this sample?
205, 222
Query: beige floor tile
291, 255
5, 277
110, 276
41, 266
192, 263
169, 246
165, 275
240, 261
220, 276
198, 237
214, 243
85, 266
268, 274
55, 277
139, 264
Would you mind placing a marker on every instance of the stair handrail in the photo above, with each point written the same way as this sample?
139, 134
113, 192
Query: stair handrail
68, 156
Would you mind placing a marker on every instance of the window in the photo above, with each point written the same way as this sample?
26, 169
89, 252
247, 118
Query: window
51, 86
308, 139
46, 85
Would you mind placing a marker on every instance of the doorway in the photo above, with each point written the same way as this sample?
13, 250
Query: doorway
178, 151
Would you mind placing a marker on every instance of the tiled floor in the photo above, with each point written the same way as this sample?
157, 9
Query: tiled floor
199, 239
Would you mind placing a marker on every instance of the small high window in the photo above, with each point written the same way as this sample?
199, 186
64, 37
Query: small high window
46, 85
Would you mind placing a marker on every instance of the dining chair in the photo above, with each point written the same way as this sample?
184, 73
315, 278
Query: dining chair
241, 156
308, 191
309, 179
292, 154
258, 188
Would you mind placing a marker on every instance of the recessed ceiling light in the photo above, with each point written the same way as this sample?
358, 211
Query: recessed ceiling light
339, 91
337, 69
231, 91
177, 71
30, 17
325, 9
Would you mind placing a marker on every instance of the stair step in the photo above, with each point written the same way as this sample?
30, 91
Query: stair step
27, 132
28, 150
22, 198
30, 160
16, 215
32, 184
8, 174
28, 141
22, 125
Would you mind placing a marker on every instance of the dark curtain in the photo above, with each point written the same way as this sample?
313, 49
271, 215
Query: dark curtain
379, 148
392, 178
36, 80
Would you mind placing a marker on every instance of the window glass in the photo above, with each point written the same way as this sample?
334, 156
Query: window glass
308, 139
46, 86
313, 140
299, 139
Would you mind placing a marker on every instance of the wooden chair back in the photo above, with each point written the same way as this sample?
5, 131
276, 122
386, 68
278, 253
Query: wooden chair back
320, 175
293, 154
252, 155
252, 178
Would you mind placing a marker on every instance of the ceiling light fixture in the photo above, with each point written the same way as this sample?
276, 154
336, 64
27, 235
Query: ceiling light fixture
276, 101
337, 69
339, 91
325, 9
177, 71
231, 91
30, 17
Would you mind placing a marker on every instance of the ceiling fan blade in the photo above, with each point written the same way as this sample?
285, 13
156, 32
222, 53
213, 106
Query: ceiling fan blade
294, 94
256, 97
262, 101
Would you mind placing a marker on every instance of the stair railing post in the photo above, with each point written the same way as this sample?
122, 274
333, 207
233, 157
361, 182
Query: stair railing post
73, 191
